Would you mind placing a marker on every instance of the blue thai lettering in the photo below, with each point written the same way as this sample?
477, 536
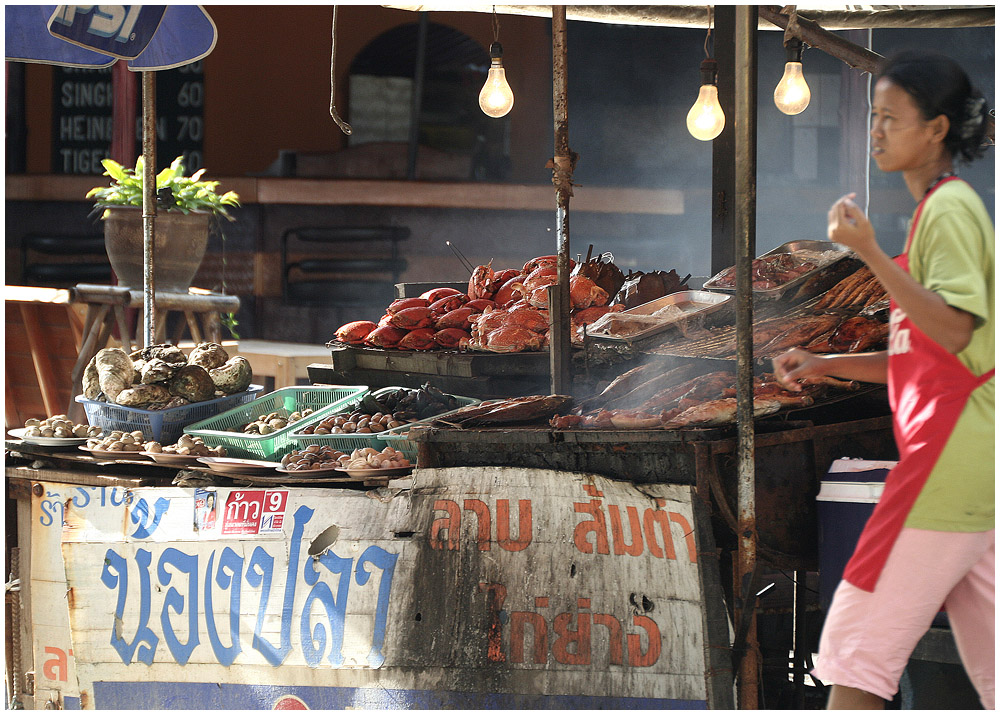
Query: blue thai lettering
381, 559
260, 572
50, 509
113, 500
314, 645
84, 498
174, 601
229, 576
115, 575
140, 515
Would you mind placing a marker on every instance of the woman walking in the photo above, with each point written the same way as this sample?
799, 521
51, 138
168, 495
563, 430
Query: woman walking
930, 541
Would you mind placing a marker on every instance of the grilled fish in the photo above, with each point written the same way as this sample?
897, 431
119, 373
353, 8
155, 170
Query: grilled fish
719, 412
523, 409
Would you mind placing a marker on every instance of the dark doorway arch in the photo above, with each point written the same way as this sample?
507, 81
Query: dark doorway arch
451, 127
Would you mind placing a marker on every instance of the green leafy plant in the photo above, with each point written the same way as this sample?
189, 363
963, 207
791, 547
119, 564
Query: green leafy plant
174, 190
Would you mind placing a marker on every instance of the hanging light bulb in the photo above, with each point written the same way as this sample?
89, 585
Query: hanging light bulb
705, 119
792, 94
495, 98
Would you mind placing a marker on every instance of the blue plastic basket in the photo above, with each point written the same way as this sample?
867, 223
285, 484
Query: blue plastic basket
225, 429
163, 426
351, 441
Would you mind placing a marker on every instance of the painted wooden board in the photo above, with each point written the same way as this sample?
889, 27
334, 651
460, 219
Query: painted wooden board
484, 587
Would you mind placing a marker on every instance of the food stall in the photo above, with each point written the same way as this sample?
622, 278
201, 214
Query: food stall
284, 561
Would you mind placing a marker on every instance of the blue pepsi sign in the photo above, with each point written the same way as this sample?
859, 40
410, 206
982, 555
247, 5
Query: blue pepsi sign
121, 31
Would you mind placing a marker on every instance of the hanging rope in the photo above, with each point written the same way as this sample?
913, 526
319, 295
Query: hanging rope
708, 34
344, 126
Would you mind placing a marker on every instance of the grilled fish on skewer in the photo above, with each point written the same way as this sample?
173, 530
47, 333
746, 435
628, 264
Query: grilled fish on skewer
718, 412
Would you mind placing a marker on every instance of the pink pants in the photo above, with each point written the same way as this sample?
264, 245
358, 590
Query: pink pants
868, 637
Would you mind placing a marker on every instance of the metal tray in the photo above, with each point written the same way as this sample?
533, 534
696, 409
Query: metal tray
694, 303
789, 247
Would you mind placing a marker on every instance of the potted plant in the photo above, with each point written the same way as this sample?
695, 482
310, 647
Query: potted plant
186, 207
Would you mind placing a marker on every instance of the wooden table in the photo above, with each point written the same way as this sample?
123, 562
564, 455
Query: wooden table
285, 362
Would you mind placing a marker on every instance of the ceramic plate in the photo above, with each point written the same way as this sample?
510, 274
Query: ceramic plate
47, 441
108, 454
176, 460
376, 473
232, 465
336, 473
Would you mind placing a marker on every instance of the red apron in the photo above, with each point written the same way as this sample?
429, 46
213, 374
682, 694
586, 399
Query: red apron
928, 389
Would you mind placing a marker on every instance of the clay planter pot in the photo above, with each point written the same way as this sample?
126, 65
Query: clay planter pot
180, 244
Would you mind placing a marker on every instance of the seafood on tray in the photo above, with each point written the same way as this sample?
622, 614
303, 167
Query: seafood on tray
501, 311
647, 398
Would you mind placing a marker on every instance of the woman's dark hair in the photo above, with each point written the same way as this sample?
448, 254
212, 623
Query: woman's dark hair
939, 85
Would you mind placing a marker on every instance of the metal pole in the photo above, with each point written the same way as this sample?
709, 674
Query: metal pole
148, 206
745, 200
562, 166
417, 99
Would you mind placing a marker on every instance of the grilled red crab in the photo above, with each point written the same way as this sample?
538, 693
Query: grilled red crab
543, 261
509, 291
489, 321
435, 294
388, 336
384, 320
480, 281
404, 303
512, 339
583, 293
530, 318
538, 298
480, 304
413, 318
542, 276
458, 318
448, 303
420, 339
355, 332
451, 337
501, 277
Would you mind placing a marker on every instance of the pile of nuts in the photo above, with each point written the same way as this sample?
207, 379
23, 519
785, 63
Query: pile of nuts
274, 421
314, 456
317, 456
357, 422
187, 445
119, 441
58, 426
371, 458
135, 442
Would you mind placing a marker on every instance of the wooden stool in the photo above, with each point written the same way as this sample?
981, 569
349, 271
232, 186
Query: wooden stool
285, 362
106, 306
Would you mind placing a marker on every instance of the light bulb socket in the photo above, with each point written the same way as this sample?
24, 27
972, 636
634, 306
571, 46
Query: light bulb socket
709, 71
793, 50
496, 51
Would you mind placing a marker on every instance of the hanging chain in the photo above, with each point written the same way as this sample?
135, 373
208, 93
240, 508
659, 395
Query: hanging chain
344, 126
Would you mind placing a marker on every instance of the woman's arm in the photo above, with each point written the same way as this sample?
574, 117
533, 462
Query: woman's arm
949, 327
797, 364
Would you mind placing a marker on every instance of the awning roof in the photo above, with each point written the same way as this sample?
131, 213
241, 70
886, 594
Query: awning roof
829, 16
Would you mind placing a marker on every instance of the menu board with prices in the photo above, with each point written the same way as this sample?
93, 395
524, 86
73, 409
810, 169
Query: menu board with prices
82, 105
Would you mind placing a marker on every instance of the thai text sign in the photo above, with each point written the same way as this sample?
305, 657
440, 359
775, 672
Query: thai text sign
487, 581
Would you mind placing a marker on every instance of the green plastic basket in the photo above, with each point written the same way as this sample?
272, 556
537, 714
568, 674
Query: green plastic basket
224, 430
348, 442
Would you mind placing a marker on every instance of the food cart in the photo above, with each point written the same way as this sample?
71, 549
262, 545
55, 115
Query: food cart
377, 595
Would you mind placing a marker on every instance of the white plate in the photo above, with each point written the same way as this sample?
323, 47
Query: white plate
176, 460
118, 454
47, 441
232, 465
376, 473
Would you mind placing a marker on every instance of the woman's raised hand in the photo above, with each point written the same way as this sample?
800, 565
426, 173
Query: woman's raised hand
848, 225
